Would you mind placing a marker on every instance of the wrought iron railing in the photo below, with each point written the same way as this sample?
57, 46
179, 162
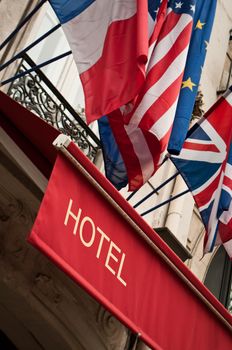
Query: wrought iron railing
36, 92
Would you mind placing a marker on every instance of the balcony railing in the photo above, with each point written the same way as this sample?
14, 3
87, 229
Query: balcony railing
36, 93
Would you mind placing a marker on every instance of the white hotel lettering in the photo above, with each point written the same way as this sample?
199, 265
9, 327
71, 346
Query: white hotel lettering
114, 252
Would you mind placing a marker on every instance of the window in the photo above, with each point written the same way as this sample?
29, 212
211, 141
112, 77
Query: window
219, 278
226, 79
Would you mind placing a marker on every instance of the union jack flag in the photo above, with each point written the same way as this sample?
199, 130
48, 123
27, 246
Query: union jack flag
205, 163
142, 128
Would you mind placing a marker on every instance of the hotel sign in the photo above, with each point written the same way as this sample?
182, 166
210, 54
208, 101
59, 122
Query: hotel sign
143, 284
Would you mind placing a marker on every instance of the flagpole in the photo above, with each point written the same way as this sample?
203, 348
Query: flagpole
18, 55
131, 195
156, 189
21, 24
165, 202
17, 76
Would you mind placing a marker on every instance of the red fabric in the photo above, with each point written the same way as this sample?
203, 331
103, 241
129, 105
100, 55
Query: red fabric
155, 302
123, 61
33, 135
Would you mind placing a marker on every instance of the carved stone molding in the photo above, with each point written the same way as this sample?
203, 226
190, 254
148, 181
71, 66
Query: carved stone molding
85, 321
9, 205
112, 330
46, 286
16, 220
48, 294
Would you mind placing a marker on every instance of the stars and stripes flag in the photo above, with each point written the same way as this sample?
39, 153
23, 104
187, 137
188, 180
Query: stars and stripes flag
205, 162
142, 129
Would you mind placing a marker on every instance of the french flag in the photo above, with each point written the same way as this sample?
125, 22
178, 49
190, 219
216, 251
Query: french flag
109, 41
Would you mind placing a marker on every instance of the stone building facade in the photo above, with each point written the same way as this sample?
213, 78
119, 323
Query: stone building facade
41, 308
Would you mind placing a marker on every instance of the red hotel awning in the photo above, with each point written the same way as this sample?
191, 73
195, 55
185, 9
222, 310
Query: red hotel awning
101, 242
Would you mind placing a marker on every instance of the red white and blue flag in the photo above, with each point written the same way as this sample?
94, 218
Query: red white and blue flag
109, 42
142, 130
205, 163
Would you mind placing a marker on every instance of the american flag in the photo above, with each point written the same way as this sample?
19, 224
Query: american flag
142, 129
205, 163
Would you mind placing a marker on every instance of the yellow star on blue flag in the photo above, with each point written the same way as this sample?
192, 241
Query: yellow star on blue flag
199, 25
188, 84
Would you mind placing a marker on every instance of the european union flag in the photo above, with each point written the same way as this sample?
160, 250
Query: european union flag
203, 22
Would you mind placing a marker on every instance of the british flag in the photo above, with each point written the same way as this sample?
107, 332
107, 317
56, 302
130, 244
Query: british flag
205, 163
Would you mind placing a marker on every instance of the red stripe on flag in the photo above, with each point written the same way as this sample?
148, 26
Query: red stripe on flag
225, 231
223, 107
159, 69
227, 182
171, 21
159, 22
161, 105
205, 196
201, 147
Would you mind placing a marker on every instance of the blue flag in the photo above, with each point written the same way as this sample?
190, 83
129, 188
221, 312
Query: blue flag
114, 166
203, 22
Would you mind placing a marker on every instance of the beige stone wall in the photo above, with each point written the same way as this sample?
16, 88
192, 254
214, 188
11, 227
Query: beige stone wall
12, 12
217, 48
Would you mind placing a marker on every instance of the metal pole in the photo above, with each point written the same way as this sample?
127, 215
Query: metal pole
156, 190
131, 195
35, 68
19, 55
165, 202
21, 24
